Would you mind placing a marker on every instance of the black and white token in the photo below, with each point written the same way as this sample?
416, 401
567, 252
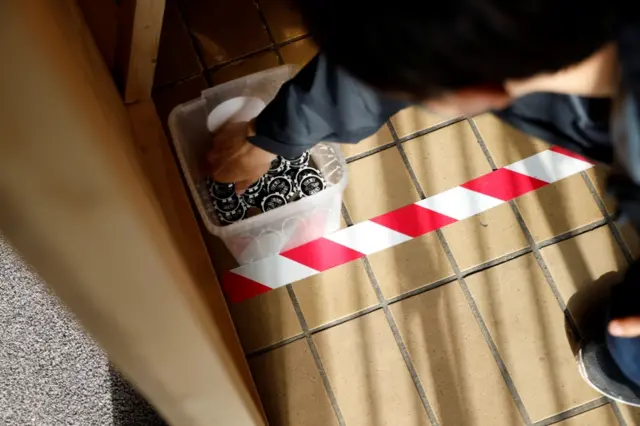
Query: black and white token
234, 215
255, 187
278, 166
273, 201
311, 184
307, 171
228, 205
221, 191
254, 193
300, 162
282, 185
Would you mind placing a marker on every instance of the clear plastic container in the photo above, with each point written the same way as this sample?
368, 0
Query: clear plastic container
272, 232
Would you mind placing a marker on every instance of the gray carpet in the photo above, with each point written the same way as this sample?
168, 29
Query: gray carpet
51, 372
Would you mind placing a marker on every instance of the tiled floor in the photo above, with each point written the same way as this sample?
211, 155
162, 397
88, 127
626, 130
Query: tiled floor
463, 326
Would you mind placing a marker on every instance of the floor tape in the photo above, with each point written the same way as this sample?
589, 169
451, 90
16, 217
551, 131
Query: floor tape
403, 224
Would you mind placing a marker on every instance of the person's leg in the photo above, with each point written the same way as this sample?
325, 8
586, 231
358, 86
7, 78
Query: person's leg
626, 354
625, 302
611, 365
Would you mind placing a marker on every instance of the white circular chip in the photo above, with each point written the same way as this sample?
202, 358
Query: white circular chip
243, 108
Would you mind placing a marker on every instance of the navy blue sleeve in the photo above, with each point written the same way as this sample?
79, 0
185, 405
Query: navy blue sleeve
322, 103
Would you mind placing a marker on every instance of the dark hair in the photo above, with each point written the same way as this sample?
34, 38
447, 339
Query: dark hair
427, 47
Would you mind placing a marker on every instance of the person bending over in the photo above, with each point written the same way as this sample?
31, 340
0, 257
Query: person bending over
566, 71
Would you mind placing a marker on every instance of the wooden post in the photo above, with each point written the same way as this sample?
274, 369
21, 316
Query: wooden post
140, 25
78, 206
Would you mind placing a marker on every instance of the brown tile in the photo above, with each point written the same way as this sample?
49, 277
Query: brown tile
265, 319
410, 265
382, 137
262, 320
527, 326
461, 379
631, 238
485, 237
576, 263
335, 293
290, 387
250, 65
599, 175
505, 143
558, 208
225, 30
299, 53
378, 184
283, 19
631, 414
168, 97
602, 416
368, 375
446, 158
414, 119
177, 59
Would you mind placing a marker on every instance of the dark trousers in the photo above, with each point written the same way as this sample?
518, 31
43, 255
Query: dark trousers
625, 302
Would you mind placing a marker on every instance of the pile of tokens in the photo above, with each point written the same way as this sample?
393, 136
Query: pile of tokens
285, 182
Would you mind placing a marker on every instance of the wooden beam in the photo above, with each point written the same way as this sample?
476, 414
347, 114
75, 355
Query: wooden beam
78, 206
140, 26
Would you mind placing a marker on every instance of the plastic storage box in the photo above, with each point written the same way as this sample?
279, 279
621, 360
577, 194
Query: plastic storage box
272, 232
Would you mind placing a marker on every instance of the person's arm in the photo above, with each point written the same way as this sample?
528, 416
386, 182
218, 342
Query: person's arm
322, 103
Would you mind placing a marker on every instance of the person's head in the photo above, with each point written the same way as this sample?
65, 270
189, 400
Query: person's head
460, 52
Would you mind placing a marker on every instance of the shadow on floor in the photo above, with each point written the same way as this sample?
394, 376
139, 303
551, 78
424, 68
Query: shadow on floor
129, 407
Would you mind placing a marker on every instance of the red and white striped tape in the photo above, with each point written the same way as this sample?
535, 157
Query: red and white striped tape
403, 224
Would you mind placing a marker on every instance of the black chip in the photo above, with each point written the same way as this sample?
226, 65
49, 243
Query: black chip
311, 184
228, 205
282, 185
307, 171
301, 161
292, 173
221, 191
278, 165
273, 201
234, 215
255, 188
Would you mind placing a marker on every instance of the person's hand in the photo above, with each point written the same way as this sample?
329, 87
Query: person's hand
625, 327
234, 160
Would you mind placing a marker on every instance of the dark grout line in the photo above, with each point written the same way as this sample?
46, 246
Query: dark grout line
485, 330
612, 226
370, 152
401, 345
196, 49
538, 256
483, 145
422, 289
573, 233
431, 286
471, 302
316, 355
431, 129
274, 346
528, 235
474, 309
340, 321
272, 39
206, 71
412, 173
589, 406
495, 262
293, 40
394, 330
